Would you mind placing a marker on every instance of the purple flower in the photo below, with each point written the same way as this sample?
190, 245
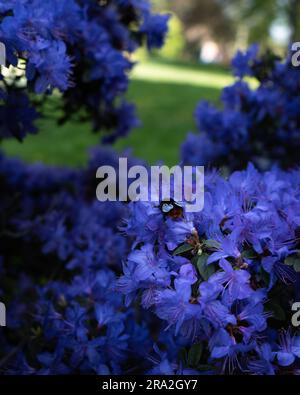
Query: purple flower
289, 349
242, 63
175, 306
177, 232
214, 310
263, 365
236, 282
228, 248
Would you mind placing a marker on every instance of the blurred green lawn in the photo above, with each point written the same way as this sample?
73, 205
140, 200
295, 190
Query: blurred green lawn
165, 95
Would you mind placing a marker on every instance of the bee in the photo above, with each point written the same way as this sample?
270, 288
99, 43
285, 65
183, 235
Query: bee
171, 209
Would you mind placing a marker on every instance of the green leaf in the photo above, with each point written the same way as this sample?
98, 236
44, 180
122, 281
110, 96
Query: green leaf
293, 260
211, 243
249, 254
182, 249
265, 277
277, 311
297, 266
205, 368
205, 270
183, 356
194, 355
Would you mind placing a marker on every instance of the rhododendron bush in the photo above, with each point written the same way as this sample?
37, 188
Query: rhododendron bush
224, 278
127, 288
82, 48
259, 125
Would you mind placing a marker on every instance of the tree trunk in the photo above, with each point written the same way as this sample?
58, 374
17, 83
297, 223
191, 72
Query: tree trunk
294, 15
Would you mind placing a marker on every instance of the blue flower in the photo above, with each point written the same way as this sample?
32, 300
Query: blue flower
177, 232
264, 364
242, 63
228, 248
256, 125
289, 349
156, 27
176, 306
80, 48
214, 310
236, 282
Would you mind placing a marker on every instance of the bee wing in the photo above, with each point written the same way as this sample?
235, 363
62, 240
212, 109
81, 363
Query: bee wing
166, 208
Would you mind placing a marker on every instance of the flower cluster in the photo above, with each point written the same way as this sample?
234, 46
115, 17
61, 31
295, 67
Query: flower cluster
224, 278
61, 253
260, 125
80, 47
86, 283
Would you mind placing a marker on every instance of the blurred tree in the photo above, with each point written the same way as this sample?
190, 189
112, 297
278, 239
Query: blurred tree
175, 42
232, 23
255, 16
259, 15
203, 20
293, 12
